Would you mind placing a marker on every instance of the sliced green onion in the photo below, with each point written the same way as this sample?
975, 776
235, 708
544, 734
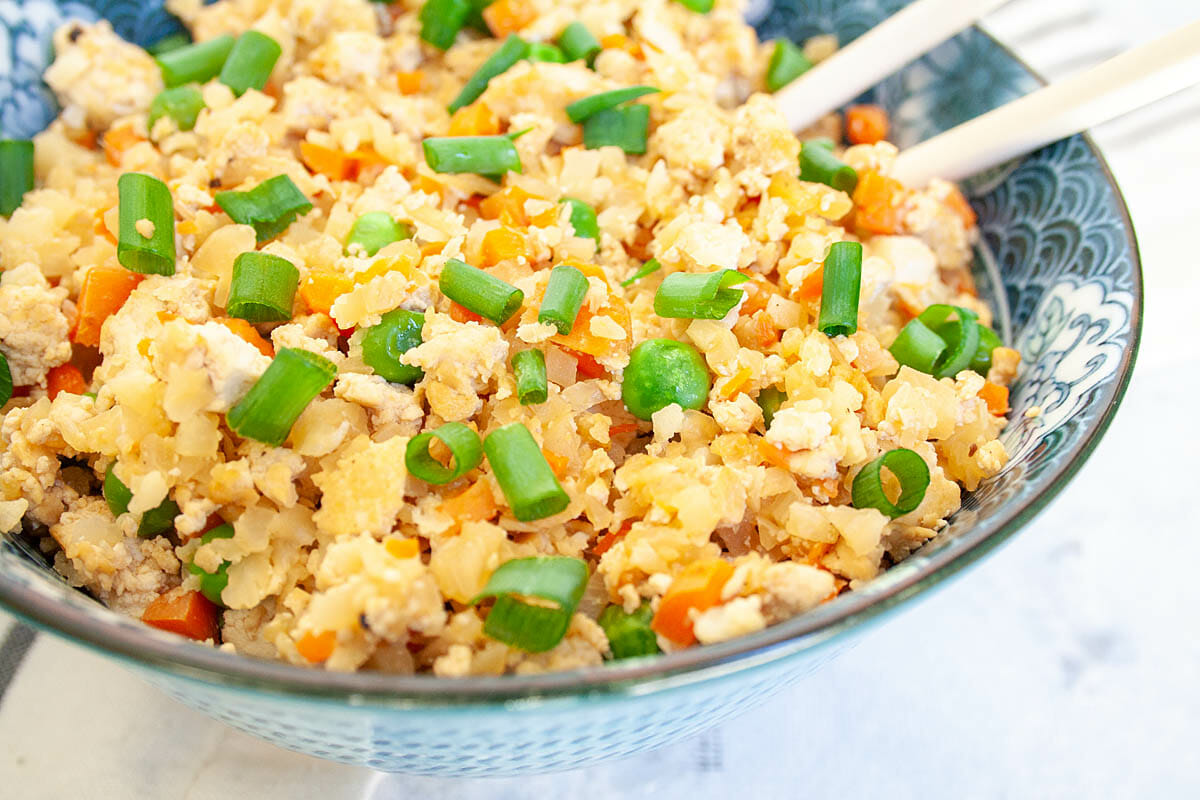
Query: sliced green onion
250, 62
648, 268
705, 295
270, 207
481, 155
530, 369
145, 199
564, 296
769, 400
6, 382
465, 453
475, 19
581, 110
158, 520
578, 43
988, 341
544, 51
477, 291
533, 628
375, 230
818, 164
629, 635
182, 104
525, 478
268, 411
441, 20
213, 583
169, 43
662, 372
398, 332
787, 63
263, 288
626, 128
513, 50
583, 219
16, 173
839, 290
908, 467
918, 347
699, 6
195, 63
116, 493
961, 336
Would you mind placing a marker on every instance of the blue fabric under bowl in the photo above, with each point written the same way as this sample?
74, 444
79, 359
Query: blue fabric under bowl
1059, 263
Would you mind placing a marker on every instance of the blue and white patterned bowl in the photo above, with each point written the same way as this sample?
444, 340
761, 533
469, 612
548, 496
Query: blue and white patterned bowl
1058, 262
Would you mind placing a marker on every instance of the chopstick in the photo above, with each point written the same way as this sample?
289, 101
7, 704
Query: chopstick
907, 34
1120, 85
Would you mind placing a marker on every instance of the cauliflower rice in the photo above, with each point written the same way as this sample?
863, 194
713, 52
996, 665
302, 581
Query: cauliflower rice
339, 558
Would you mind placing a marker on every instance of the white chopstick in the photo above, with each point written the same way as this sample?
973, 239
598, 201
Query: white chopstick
907, 34
1120, 85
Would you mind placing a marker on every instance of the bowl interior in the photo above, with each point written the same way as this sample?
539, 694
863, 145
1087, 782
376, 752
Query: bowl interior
1057, 260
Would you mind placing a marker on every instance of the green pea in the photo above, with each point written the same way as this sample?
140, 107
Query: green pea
661, 372
375, 230
213, 583
398, 332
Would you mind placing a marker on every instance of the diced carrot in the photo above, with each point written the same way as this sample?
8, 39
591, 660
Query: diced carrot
65, 378
189, 614
501, 244
773, 455
735, 383
104, 290
959, 205
506, 205
589, 367
317, 647
248, 333
428, 185
558, 464
866, 124
624, 427
402, 548
85, 138
461, 314
474, 503
101, 229
879, 203
619, 41
765, 330
410, 82
508, 16
817, 552
813, 285
336, 164
322, 287
697, 587
996, 397
432, 249
605, 542
165, 316
118, 140
474, 120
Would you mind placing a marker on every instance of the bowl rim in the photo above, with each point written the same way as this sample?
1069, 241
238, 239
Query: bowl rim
109, 633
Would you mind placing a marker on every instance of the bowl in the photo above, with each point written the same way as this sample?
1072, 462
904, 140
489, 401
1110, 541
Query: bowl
1057, 260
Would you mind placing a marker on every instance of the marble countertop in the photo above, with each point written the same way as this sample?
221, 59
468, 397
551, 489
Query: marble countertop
1063, 666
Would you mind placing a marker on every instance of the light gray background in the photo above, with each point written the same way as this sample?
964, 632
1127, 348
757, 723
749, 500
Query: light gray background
1064, 666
